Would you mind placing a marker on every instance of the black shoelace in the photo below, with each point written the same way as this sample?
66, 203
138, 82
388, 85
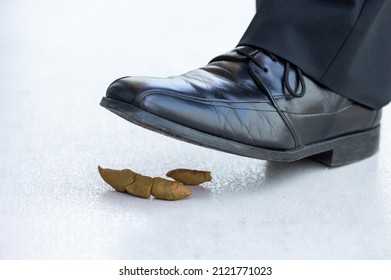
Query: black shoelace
288, 66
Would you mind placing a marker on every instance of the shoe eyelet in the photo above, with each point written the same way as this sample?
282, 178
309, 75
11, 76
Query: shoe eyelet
266, 70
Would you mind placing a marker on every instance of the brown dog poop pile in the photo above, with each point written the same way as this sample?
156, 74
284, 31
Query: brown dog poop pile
143, 186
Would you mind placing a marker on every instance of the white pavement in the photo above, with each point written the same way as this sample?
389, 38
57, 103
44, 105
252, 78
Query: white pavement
57, 59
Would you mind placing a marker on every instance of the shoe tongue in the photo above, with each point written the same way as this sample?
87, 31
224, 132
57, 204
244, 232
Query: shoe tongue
234, 55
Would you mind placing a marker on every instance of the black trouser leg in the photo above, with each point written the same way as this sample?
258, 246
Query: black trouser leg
343, 44
258, 3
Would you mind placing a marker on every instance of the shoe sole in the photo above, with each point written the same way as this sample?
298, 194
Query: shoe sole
333, 152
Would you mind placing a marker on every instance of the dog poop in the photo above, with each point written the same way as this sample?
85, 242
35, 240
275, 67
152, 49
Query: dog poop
189, 177
143, 186
169, 190
118, 179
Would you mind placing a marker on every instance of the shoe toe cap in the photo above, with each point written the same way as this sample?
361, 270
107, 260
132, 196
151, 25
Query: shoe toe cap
124, 89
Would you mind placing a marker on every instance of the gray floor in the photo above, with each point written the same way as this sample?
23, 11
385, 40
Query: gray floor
56, 60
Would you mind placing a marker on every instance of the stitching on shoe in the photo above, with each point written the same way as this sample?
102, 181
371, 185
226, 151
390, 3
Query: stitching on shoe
196, 99
319, 114
203, 101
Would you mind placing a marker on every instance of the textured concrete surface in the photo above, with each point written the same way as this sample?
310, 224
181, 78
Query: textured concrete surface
56, 60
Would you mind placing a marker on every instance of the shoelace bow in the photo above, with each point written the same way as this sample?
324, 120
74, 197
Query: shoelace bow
286, 73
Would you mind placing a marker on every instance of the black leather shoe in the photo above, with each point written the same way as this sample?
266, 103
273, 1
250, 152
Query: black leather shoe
250, 103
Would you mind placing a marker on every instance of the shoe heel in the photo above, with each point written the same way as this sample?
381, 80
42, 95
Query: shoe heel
351, 148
